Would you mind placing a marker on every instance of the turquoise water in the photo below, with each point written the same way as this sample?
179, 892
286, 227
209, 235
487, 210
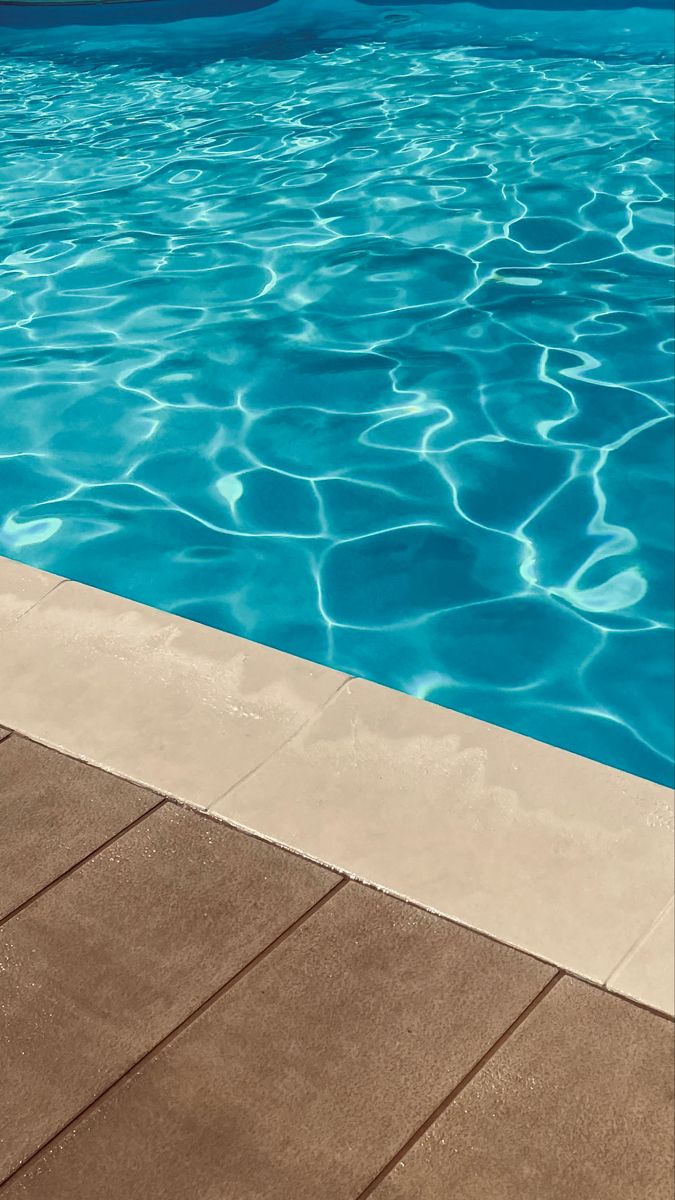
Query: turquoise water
348, 327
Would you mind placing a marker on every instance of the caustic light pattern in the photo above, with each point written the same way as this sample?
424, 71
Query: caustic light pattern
363, 351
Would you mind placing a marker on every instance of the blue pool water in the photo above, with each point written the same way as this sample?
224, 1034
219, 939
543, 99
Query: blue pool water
347, 326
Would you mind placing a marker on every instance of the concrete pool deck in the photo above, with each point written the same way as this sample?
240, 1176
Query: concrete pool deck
556, 855
195, 1012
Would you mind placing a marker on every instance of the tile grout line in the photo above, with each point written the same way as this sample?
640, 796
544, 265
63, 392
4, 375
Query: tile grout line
178, 1029
638, 943
277, 749
50, 591
14, 912
459, 1087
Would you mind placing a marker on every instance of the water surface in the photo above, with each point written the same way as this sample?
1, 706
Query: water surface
348, 327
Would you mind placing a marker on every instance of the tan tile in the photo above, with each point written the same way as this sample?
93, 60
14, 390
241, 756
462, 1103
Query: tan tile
4, 733
55, 811
301, 1081
576, 1105
542, 849
185, 709
100, 968
648, 974
20, 588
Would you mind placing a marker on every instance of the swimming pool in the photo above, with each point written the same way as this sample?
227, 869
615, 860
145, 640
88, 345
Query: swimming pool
346, 326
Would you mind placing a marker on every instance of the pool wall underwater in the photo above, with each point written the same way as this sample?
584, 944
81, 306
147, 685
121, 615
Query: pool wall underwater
347, 327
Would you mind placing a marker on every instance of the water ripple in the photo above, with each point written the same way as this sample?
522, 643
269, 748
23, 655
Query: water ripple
362, 351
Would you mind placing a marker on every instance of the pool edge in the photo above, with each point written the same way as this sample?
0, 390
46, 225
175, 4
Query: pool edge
559, 856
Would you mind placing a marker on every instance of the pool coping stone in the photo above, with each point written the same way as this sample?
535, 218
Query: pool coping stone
556, 855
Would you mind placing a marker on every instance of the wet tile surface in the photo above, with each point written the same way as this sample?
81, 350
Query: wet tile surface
180, 707
542, 849
20, 588
101, 967
307, 1075
649, 973
304, 1078
576, 1105
55, 811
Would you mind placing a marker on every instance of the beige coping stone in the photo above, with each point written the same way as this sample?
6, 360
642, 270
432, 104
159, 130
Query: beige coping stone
183, 708
545, 850
555, 854
648, 971
20, 588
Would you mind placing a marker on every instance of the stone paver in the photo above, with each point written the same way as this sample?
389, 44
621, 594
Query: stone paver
303, 1079
576, 1105
648, 974
561, 856
179, 707
55, 811
101, 967
193, 1012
